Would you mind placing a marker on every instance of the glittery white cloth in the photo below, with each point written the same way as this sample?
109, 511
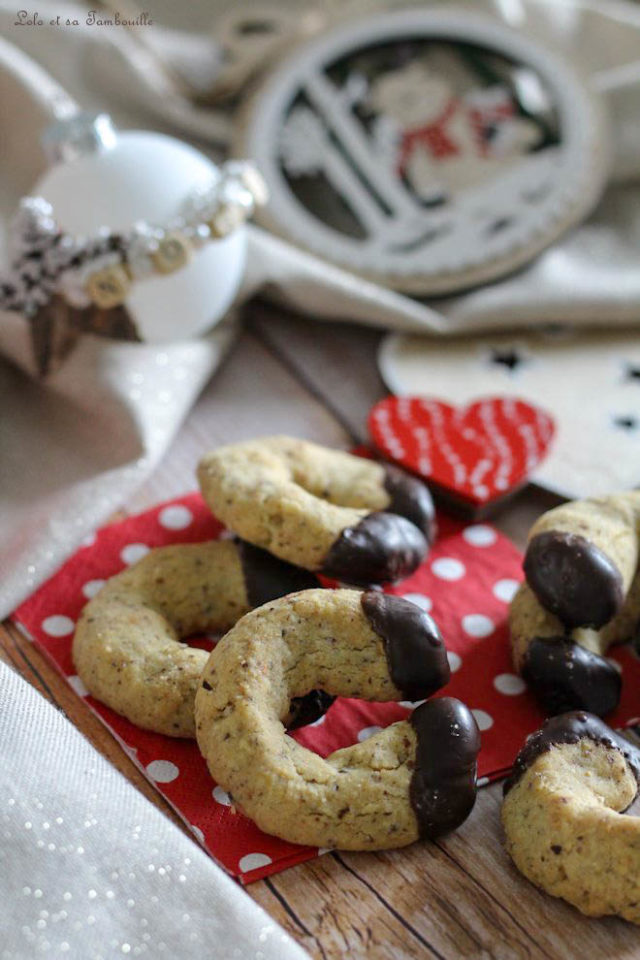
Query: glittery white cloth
90, 870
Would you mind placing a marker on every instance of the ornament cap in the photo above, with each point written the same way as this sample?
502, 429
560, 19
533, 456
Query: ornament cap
77, 136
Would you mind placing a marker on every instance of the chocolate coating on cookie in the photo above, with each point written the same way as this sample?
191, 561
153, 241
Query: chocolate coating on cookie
569, 728
415, 650
267, 577
307, 709
382, 547
411, 499
573, 579
566, 676
443, 784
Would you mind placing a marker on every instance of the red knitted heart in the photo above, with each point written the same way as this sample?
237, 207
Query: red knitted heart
477, 453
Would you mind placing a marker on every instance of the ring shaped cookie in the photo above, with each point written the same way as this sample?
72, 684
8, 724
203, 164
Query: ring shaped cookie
127, 646
415, 779
581, 596
325, 510
563, 820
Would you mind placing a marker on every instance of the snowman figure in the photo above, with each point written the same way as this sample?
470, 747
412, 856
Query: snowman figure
438, 142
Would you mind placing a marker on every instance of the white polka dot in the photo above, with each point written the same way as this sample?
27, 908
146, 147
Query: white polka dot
480, 535
226, 535
482, 781
484, 721
57, 625
221, 796
92, 587
420, 600
455, 661
509, 684
505, 590
198, 832
477, 625
133, 552
323, 850
163, 771
176, 517
409, 704
614, 663
318, 722
77, 684
447, 568
367, 732
251, 861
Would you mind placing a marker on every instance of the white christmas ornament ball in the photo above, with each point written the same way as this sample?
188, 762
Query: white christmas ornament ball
143, 176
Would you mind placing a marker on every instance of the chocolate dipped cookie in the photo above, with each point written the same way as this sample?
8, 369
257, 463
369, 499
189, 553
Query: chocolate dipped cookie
350, 518
563, 815
415, 779
128, 647
582, 594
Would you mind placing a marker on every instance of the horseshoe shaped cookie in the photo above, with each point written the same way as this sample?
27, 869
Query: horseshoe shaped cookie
325, 510
127, 647
563, 815
416, 779
582, 594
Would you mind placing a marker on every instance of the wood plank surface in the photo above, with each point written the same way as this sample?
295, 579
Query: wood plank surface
457, 898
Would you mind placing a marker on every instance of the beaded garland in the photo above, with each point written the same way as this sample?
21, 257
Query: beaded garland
99, 270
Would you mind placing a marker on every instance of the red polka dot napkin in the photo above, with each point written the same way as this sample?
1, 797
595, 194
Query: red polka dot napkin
466, 583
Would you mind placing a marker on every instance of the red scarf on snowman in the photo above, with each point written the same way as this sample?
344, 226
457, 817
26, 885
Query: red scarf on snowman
439, 144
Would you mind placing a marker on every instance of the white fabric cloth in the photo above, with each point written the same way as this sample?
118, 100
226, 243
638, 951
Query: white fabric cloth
91, 870
74, 450
589, 277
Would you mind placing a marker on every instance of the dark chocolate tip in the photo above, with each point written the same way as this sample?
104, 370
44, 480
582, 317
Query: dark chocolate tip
307, 709
410, 498
443, 785
569, 728
565, 676
267, 577
415, 650
573, 579
383, 547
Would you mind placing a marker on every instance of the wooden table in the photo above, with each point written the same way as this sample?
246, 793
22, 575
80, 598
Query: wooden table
457, 898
